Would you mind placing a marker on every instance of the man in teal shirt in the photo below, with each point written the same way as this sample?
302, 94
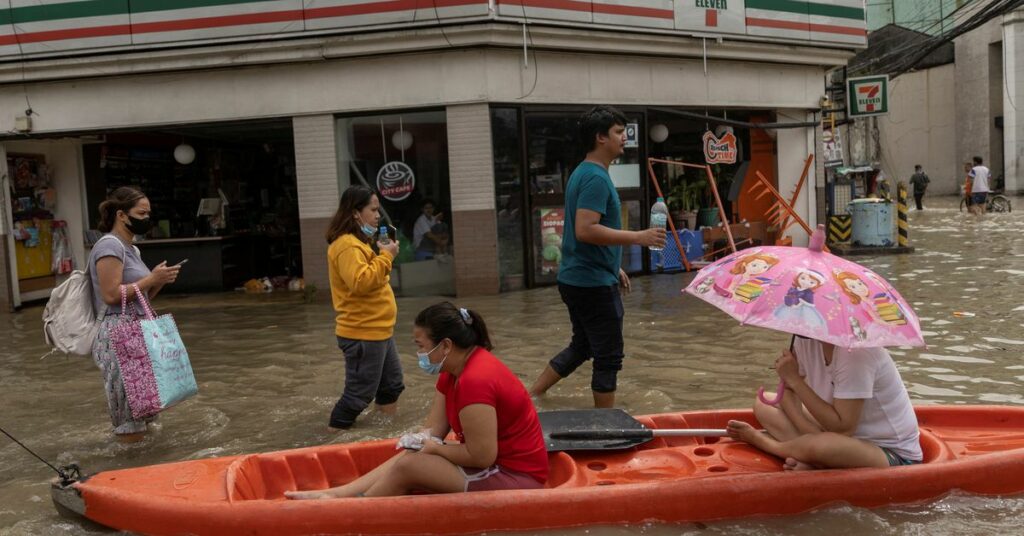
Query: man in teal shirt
590, 274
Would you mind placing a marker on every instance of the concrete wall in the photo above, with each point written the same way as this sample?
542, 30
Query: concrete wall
976, 74
920, 129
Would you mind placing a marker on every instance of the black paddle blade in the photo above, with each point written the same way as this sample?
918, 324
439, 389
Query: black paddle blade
592, 429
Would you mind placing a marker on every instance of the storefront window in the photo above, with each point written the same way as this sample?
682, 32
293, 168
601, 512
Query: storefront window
553, 152
404, 158
508, 190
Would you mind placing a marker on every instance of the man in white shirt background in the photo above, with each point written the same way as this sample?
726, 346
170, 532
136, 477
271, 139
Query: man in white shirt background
429, 234
980, 176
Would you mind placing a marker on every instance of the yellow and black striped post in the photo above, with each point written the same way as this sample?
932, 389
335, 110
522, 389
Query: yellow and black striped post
902, 227
840, 228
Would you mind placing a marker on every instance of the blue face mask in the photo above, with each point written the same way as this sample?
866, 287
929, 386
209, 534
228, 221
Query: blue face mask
426, 365
368, 229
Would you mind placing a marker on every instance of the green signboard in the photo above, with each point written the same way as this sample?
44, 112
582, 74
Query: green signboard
867, 95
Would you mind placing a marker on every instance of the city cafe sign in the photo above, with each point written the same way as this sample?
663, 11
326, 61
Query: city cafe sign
720, 150
395, 181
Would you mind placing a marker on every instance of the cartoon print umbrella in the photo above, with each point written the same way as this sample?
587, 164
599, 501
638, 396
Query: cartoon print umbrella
811, 293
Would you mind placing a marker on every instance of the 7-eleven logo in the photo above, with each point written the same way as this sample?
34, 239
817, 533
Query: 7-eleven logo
868, 95
868, 98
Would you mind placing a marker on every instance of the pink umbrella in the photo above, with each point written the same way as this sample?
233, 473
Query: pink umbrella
811, 293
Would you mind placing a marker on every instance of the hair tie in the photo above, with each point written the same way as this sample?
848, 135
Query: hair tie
465, 316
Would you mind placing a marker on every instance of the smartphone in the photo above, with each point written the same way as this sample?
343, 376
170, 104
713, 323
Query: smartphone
183, 261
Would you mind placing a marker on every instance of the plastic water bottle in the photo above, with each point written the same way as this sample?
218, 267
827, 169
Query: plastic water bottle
383, 237
659, 217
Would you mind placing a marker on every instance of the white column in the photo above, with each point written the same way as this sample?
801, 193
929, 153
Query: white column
1013, 100
794, 144
316, 176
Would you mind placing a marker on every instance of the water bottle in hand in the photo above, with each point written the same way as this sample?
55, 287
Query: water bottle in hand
659, 217
383, 237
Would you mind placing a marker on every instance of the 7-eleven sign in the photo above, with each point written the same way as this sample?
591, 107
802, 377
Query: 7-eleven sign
867, 95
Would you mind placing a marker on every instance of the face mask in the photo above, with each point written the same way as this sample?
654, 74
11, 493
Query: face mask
426, 365
139, 226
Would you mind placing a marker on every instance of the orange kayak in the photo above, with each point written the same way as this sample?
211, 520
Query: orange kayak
978, 449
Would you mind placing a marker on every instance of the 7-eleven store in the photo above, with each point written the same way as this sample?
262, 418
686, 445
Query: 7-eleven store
466, 103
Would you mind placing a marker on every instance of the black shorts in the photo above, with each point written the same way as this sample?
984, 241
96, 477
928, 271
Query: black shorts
596, 315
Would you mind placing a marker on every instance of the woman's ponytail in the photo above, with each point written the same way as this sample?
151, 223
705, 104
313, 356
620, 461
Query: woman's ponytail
464, 327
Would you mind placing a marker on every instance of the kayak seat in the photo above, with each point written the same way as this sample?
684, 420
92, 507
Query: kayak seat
562, 470
268, 476
934, 449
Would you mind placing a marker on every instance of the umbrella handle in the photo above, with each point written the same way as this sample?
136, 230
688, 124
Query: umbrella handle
779, 391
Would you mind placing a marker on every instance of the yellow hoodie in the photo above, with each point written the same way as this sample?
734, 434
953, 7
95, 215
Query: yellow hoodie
361, 290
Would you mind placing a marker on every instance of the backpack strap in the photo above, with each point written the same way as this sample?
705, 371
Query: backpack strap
124, 258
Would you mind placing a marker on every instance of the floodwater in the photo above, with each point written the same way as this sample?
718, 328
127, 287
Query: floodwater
269, 373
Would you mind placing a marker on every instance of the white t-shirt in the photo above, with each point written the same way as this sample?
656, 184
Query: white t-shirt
980, 175
422, 227
888, 418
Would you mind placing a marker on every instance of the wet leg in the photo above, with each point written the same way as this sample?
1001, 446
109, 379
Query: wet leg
352, 489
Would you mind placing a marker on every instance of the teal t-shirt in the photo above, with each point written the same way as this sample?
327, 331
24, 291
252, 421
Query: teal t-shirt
588, 265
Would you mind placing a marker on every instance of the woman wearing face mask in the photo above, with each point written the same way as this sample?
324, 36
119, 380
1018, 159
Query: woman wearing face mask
115, 263
499, 444
362, 296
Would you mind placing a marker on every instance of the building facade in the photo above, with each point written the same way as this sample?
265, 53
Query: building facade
261, 113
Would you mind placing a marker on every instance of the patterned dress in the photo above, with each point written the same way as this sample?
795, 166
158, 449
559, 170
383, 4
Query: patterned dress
106, 359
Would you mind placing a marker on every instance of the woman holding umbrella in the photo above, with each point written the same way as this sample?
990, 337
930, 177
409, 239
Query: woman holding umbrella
841, 401
841, 408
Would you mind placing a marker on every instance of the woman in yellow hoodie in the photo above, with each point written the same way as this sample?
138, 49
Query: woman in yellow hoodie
366, 307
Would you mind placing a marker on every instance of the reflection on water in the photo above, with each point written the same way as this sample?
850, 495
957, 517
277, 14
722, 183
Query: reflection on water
269, 373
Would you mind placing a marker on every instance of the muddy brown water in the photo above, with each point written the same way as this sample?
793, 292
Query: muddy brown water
269, 372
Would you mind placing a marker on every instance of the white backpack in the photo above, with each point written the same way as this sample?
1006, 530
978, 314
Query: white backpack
70, 324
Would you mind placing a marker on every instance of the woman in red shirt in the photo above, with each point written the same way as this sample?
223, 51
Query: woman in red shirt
500, 442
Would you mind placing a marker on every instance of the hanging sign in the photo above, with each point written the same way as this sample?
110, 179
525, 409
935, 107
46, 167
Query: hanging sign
720, 150
395, 181
867, 95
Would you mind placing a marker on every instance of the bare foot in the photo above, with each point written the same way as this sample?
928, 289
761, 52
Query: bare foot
742, 431
793, 464
388, 409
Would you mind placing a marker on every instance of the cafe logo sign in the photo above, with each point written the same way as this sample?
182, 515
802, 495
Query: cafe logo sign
867, 95
720, 150
395, 181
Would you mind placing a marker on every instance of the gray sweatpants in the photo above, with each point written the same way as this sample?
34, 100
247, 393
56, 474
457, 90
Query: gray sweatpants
373, 372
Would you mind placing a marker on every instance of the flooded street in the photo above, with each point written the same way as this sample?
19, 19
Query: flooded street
269, 372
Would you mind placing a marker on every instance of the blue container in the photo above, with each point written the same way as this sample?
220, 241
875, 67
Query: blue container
668, 258
872, 222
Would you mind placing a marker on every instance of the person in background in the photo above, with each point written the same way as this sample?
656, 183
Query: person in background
980, 176
114, 265
590, 272
919, 180
842, 408
365, 307
500, 444
430, 233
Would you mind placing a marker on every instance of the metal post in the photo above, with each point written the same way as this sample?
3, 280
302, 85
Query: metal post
902, 226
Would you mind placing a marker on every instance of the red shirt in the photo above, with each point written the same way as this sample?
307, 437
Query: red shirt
486, 380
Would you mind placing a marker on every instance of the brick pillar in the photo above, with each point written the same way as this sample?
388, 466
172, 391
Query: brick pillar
316, 174
474, 225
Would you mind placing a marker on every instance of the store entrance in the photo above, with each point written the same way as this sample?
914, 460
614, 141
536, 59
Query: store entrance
223, 195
